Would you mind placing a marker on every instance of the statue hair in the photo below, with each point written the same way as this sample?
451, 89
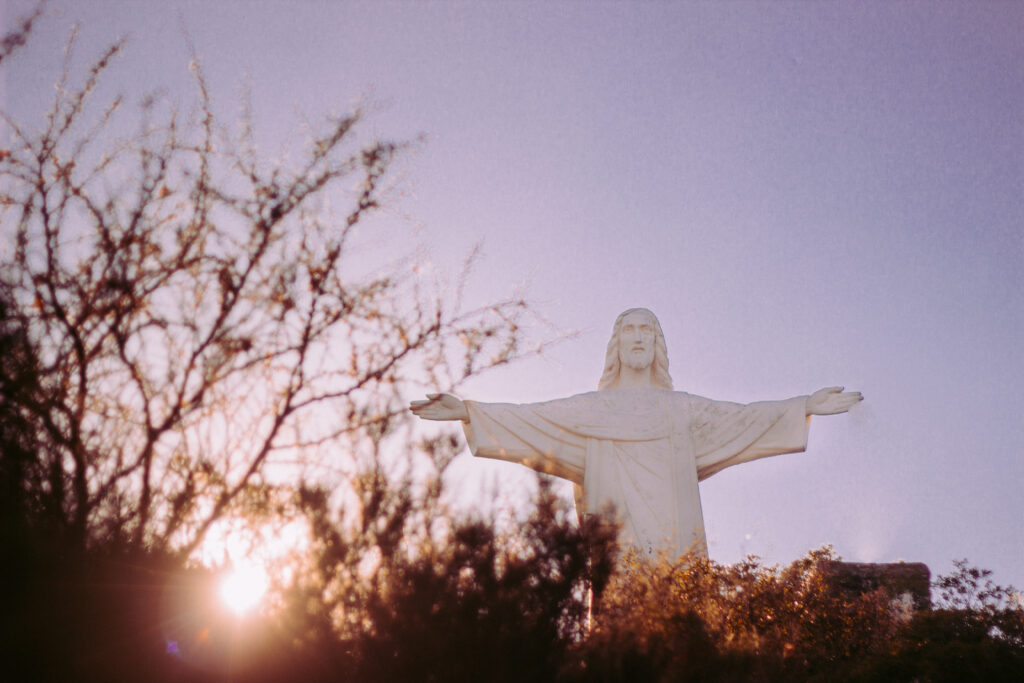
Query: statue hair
613, 365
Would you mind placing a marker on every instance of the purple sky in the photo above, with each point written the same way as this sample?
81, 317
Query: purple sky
805, 193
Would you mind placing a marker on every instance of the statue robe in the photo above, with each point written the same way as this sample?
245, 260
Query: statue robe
643, 451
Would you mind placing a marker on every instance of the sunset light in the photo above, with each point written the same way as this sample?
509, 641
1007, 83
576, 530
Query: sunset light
243, 588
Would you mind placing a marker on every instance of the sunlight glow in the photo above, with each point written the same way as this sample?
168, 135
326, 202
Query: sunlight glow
243, 588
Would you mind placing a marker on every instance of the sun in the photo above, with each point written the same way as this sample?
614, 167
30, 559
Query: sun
247, 556
244, 588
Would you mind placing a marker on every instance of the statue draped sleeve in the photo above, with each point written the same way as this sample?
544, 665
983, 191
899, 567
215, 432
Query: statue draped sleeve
527, 435
553, 436
726, 434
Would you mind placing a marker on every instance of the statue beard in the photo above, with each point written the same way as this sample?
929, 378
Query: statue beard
638, 361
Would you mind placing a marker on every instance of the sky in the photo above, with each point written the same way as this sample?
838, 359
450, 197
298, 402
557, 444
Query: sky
806, 194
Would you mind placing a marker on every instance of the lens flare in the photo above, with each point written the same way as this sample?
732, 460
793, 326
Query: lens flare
243, 588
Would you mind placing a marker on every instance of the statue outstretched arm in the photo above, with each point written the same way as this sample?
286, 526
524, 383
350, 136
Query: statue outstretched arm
440, 407
832, 401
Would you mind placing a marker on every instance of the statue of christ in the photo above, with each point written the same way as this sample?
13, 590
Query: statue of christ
635, 443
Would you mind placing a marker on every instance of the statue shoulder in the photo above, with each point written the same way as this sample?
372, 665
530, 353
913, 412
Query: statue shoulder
574, 401
683, 397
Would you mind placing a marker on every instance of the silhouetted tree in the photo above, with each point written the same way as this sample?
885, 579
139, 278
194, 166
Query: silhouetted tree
188, 334
193, 314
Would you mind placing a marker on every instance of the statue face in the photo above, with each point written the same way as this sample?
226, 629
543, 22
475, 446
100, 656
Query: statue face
636, 340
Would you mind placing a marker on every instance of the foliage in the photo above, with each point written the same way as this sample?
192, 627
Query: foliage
409, 592
415, 591
975, 632
473, 604
694, 618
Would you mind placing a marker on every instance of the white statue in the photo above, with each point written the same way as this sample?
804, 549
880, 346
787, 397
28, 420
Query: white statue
636, 443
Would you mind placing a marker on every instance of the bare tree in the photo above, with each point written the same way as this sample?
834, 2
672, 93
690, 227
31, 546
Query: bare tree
192, 313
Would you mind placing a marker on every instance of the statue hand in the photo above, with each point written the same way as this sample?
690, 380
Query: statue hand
831, 401
440, 407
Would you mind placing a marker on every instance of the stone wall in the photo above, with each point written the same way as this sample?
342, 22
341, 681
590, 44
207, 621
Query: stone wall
908, 582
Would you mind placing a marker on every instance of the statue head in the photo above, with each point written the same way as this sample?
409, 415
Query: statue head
637, 341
